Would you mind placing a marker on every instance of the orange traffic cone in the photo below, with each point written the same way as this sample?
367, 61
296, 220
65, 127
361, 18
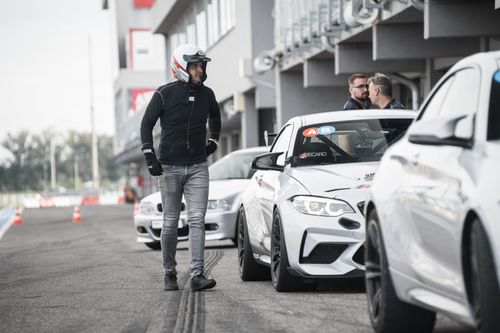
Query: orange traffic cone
76, 215
17, 217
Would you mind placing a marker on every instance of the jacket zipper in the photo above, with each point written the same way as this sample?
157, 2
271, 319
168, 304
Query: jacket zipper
189, 124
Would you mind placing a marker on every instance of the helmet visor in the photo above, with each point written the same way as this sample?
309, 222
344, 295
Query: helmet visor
196, 58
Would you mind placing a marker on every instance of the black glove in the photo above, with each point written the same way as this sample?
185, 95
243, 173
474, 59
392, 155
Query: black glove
211, 147
154, 166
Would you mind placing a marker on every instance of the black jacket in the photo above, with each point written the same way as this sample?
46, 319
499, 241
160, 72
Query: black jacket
353, 104
183, 110
394, 105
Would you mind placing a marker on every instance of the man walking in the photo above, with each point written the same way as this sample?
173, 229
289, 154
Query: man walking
380, 92
358, 89
183, 107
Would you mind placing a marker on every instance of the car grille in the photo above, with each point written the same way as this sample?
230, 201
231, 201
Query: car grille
159, 207
324, 254
180, 232
183, 232
359, 256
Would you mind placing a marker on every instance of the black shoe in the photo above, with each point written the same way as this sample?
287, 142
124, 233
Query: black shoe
200, 282
171, 282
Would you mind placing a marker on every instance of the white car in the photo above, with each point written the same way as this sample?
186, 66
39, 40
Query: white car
229, 176
433, 228
302, 211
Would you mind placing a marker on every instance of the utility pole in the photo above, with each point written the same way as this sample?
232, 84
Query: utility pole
52, 164
95, 159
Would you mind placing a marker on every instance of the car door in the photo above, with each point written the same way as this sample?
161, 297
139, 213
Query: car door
268, 185
438, 200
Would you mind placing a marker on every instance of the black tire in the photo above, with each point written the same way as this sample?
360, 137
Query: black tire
485, 289
153, 245
249, 269
388, 313
282, 280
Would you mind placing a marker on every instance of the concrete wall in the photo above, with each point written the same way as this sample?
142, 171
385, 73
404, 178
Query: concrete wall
295, 100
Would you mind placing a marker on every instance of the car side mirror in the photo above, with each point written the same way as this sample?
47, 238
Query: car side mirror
441, 132
267, 161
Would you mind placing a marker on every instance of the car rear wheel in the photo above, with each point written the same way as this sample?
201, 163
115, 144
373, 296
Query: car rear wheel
282, 280
485, 289
249, 269
387, 312
154, 245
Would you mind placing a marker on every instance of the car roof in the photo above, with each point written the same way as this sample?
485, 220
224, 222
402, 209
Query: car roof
322, 117
479, 58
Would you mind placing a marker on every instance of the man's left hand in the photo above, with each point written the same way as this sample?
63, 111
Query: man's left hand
211, 147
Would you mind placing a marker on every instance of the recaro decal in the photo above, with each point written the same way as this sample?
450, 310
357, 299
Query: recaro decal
312, 154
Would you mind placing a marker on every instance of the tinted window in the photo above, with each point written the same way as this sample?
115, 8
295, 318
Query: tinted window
347, 141
234, 166
494, 109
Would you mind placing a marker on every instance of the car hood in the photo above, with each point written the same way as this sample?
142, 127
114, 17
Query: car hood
335, 177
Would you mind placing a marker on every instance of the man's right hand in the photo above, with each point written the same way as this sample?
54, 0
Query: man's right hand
154, 166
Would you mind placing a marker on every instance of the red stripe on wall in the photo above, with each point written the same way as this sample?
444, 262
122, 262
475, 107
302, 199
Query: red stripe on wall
143, 3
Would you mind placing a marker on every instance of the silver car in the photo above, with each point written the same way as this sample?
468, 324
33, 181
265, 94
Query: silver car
229, 176
302, 211
433, 229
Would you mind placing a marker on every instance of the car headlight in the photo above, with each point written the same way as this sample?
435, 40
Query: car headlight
218, 204
320, 206
146, 208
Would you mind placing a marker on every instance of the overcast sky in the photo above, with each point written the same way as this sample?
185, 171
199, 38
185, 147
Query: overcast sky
44, 66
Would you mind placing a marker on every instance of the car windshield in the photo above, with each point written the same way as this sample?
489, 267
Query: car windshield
234, 166
347, 141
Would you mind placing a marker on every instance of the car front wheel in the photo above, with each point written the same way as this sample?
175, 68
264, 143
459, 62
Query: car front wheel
485, 289
154, 245
249, 269
282, 280
388, 313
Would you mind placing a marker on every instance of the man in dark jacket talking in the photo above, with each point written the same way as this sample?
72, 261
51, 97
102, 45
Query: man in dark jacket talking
183, 107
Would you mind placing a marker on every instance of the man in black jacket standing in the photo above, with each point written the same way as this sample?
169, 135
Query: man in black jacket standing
358, 91
183, 107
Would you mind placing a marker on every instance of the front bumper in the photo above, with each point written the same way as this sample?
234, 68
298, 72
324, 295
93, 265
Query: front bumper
319, 246
218, 225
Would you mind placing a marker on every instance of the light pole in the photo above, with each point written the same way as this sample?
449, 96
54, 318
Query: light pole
95, 158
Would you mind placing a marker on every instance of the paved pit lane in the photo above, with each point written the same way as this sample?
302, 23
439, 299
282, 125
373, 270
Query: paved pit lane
62, 276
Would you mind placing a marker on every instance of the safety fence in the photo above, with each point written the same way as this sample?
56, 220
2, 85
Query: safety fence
38, 200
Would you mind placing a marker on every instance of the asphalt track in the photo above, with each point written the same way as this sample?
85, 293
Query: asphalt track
61, 276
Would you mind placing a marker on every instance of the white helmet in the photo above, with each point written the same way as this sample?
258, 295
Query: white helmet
184, 55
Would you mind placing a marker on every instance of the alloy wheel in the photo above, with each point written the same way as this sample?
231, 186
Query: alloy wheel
241, 240
373, 270
276, 249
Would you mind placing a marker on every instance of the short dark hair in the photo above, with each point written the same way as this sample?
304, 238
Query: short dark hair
383, 83
354, 77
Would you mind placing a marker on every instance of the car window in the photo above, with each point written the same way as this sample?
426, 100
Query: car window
234, 166
431, 110
281, 144
463, 95
494, 109
347, 141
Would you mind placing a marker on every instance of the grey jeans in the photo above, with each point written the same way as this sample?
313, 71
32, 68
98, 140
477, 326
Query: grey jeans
192, 181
